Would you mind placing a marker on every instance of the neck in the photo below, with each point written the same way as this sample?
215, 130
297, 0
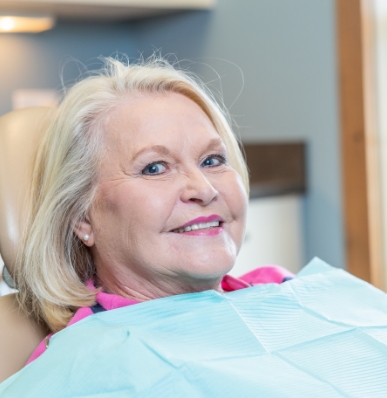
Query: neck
140, 288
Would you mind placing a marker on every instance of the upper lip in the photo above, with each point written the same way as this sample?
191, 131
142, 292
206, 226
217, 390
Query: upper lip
202, 219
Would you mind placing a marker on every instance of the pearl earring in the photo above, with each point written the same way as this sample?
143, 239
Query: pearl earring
86, 237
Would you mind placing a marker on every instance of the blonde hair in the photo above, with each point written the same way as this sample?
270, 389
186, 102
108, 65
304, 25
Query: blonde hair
53, 265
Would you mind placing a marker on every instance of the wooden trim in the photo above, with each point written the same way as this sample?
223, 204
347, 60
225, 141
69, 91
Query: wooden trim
276, 168
361, 186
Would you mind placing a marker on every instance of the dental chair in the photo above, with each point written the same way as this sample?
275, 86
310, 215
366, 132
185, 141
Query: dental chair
20, 134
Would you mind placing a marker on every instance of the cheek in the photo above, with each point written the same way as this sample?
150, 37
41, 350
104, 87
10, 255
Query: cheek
241, 213
236, 199
139, 207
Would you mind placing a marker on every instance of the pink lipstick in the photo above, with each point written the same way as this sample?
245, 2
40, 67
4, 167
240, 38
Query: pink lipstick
212, 217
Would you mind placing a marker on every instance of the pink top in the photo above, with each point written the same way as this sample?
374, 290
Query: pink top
265, 274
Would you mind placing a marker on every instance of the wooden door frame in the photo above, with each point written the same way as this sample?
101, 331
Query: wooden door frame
359, 140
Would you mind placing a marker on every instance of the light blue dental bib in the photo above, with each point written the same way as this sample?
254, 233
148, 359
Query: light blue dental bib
322, 334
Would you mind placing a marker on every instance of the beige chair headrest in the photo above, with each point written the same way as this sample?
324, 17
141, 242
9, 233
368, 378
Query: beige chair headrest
20, 134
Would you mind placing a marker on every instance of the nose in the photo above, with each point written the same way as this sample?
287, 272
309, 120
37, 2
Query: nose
198, 189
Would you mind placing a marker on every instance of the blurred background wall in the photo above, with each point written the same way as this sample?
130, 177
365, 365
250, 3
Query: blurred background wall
274, 61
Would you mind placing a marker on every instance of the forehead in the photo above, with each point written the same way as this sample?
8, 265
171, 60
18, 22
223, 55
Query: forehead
151, 119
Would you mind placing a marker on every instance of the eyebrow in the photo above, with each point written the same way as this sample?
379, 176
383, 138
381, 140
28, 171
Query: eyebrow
215, 142
162, 150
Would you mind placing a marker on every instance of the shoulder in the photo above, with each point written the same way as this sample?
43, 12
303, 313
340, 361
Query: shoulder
19, 336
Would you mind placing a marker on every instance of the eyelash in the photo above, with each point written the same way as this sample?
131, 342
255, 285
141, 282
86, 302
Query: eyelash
153, 164
221, 158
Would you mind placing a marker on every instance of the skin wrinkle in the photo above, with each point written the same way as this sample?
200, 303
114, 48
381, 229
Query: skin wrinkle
135, 253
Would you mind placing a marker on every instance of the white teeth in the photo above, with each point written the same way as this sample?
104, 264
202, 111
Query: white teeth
195, 227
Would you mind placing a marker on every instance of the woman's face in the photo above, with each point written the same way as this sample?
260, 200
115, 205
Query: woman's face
169, 213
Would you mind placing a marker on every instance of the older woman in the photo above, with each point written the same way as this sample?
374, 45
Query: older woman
139, 192
139, 196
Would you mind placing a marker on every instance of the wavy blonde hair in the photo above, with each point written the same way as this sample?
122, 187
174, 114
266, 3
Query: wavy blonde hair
53, 265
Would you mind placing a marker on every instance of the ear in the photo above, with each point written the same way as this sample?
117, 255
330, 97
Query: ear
84, 231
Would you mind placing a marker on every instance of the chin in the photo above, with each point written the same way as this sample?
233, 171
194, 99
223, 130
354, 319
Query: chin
211, 270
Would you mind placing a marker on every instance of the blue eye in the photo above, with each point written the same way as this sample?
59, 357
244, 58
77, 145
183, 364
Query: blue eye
214, 160
154, 168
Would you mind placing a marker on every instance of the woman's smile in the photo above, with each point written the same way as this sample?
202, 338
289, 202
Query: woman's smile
201, 226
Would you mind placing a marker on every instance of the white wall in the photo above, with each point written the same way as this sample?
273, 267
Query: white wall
274, 235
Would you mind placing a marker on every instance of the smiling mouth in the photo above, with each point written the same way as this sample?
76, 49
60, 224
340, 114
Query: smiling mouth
198, 226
